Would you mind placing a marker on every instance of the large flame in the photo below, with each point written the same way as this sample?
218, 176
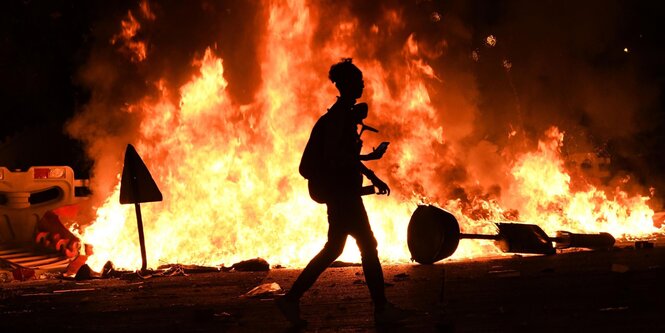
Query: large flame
543, 194
229, 177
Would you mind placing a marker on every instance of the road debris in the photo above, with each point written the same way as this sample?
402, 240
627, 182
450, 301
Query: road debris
190, 269
75, 266
401, 277
22, 273
643, 245
5, 276
265, 290
86, 273
338, 263
252, 265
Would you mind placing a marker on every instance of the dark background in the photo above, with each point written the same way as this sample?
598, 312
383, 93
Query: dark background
557, 48
42, 45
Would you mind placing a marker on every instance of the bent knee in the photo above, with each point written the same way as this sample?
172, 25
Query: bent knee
333, 249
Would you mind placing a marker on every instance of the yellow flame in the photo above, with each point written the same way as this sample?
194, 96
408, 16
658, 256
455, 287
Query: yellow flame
544, 197
229, 176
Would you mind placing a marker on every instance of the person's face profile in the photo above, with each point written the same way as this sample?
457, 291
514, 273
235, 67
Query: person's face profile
355, 87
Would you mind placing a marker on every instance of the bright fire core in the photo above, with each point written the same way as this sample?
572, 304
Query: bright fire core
228, 172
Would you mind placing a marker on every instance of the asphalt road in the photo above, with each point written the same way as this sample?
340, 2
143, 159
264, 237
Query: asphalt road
622, 290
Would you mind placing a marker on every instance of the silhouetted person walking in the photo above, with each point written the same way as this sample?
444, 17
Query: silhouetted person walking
332, 164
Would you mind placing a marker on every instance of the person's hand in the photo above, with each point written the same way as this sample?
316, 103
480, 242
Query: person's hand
377, 153
380, 185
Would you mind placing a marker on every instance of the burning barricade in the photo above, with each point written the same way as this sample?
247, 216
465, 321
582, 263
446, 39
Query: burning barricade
226, 162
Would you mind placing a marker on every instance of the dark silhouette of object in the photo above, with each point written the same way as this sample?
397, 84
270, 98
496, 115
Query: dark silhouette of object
137, 186
434, 234
332, 164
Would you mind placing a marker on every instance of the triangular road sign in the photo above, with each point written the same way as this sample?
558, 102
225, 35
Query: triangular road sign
137, 184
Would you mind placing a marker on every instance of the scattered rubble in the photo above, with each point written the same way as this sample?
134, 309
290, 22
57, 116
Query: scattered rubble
643, 245
86, 273
252, 265
22, 273
338, 263
401, 277
265, 290
190, 269
75, 266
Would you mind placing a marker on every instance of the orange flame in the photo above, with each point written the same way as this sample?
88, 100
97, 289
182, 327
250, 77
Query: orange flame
146, 11
229, 176
130, 27
543, 189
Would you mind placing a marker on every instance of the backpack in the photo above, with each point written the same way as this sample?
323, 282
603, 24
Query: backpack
311, 167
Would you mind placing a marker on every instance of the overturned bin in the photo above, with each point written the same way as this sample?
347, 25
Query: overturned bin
434, 234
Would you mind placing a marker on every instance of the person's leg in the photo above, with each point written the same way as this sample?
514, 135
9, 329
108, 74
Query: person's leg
331, 251
384, 311
367, 244
289, 304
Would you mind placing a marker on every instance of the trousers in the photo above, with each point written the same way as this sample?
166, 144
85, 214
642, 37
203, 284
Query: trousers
346, 216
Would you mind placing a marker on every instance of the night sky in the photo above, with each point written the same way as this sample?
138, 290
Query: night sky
556, 48
42, 46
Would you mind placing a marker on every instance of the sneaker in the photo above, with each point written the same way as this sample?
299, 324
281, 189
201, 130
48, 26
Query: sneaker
291, 311
390, 314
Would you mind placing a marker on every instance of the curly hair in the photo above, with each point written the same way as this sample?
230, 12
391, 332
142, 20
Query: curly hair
344, 71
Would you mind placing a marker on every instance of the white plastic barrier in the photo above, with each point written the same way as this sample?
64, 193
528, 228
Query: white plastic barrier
49, 186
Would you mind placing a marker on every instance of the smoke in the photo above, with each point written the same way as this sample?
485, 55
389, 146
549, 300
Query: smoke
576, 66
173, 34
553, 64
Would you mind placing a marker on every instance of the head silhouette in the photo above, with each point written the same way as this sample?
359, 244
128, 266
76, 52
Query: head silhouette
347, 78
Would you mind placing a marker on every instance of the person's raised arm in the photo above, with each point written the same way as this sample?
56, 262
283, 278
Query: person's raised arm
376, 153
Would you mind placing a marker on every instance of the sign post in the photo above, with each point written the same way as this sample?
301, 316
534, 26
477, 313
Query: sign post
136, 186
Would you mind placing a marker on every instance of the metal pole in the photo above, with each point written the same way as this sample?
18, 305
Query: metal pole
478, 236
139, 222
